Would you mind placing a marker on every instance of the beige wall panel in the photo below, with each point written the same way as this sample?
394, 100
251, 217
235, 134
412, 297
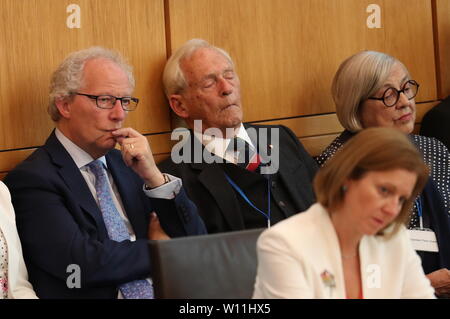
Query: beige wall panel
10, 159
35, 38
310, 125
328, 123
317, 132
315, 145
288, 51
160, 143
442, 37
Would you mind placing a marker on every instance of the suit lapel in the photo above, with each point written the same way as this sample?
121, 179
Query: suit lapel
71, 175
286, 169
213, 178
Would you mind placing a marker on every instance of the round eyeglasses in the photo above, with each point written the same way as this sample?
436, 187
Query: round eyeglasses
392, 95
109, 101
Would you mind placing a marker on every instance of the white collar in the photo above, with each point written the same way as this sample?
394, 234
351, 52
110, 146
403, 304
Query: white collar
218, 145
79, 156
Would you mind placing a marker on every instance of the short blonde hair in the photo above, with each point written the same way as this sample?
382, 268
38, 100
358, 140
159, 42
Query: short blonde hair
68, 77
358, 78
174, 80
372, 149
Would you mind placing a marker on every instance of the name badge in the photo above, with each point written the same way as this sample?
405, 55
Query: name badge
423, 240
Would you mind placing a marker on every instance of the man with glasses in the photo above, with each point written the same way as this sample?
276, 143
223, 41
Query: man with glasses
83, 208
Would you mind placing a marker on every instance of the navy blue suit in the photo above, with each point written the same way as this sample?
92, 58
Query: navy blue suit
60, 224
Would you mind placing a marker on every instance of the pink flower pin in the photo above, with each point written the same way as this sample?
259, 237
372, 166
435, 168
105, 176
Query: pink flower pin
328, 279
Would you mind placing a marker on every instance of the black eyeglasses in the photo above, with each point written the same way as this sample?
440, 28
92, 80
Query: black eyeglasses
108, 101
392, 95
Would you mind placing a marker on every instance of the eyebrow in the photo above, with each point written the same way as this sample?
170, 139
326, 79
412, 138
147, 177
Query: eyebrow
213, 75
208, 76
388, 85
395, 188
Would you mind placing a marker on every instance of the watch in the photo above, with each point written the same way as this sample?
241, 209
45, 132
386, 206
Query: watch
166, 180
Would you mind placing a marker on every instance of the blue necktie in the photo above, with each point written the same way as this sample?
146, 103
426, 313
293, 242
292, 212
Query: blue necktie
117, 231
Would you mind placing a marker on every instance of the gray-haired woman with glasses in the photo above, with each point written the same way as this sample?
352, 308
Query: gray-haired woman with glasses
373, 89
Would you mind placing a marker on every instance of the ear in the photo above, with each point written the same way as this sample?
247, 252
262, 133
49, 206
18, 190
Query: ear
178, 105
63, 106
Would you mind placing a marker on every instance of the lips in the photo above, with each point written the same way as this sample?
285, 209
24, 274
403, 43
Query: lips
111, 130
404, 118
229, 105
378, 221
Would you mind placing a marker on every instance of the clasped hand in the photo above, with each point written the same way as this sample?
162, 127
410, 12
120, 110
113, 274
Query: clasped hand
137, 154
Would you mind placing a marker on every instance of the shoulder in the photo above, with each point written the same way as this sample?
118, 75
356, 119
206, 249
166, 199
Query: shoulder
428, 144
37, 164
283, 136
5, 201
170, 167
423, 139
281, 129
333, 147
4, 192
298, 229
439, 112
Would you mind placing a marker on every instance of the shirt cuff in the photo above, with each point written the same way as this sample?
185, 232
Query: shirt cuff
166, 191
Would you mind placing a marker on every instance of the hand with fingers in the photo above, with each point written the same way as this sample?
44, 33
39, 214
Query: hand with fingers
155, 231
440, 280
137, 154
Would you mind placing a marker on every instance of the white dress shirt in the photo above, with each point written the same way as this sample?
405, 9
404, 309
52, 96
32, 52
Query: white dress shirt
218, 145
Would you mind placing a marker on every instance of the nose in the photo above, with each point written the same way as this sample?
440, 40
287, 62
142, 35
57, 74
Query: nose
226, 88
392, 207
402, 101
117, 112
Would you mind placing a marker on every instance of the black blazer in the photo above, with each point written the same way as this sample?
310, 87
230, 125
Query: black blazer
209, 189
435, 217
60, 224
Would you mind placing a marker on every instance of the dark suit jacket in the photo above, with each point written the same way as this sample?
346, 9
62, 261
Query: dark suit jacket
435, 217
436, 121
218, 206
60, 224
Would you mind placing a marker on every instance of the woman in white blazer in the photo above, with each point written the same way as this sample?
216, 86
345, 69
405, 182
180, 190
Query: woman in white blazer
353, 242
13, 273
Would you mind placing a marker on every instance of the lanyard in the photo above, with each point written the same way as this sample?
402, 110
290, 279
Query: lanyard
240, 192
419, 211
